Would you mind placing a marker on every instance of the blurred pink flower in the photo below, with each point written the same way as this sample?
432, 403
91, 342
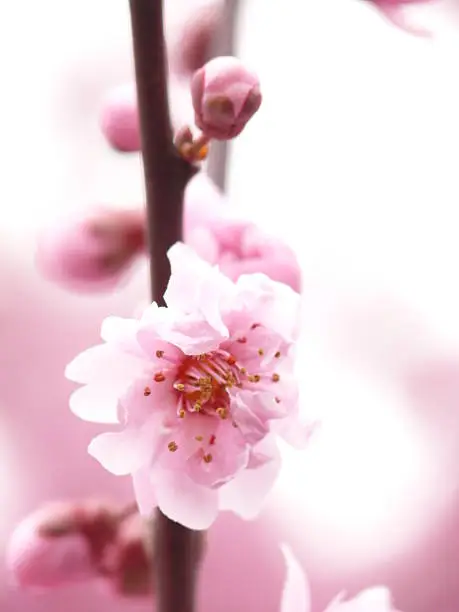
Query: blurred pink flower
236, 245
119, 119
91, 251
202, 388
225, 96
297, 594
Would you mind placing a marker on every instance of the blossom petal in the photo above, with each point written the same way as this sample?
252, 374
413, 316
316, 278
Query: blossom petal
376, 599
295, 431
184, 501
296, 595
246, 494
127, 451
273, 304
195, 287
96, 403
121, 332
144, 491
119, 452
104, 362
191, 333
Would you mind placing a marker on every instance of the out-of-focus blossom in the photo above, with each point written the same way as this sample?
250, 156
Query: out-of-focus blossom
202, 388
92, 251
60, 544
225, 96
394, 11
297, 594
235, 244
194, 46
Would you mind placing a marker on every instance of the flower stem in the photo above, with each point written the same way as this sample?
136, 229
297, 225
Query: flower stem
166, 176
224, 45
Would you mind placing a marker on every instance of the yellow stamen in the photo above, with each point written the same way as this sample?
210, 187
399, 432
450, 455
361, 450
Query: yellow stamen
261, 352
277, 355
180, 387
159, 377
182, 413
275, 378
197, 407
199, 438
222, 413
254, 378
207, 458
172, 446
159, 354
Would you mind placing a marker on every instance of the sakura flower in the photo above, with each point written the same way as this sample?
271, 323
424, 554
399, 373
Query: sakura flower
297, 594
202, 387
225, 96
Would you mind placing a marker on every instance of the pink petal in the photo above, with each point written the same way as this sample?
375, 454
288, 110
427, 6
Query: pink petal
96, 403
104, 362
294, 431
185, 502
251, 426
273, 304
376, 599
296, 596
246, 494
197, 287
121, 332
144, 491
191, 333
127, 451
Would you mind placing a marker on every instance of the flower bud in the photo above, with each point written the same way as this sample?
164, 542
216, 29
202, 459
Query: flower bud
92, 252
225, 96
119, 119
128, 562
61, 543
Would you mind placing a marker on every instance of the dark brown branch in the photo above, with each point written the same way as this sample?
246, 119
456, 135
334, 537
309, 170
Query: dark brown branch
166, 176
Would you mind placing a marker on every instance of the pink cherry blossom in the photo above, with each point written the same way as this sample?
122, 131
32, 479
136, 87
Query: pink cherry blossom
225, 96
297, 593
224, 237
202, 386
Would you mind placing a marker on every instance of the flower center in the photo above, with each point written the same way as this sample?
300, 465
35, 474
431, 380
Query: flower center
203, 382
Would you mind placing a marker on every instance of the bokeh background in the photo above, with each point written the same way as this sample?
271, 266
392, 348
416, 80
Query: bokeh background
353, 159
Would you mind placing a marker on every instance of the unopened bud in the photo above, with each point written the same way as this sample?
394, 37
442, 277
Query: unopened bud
92, 252
119, 119
225, 96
